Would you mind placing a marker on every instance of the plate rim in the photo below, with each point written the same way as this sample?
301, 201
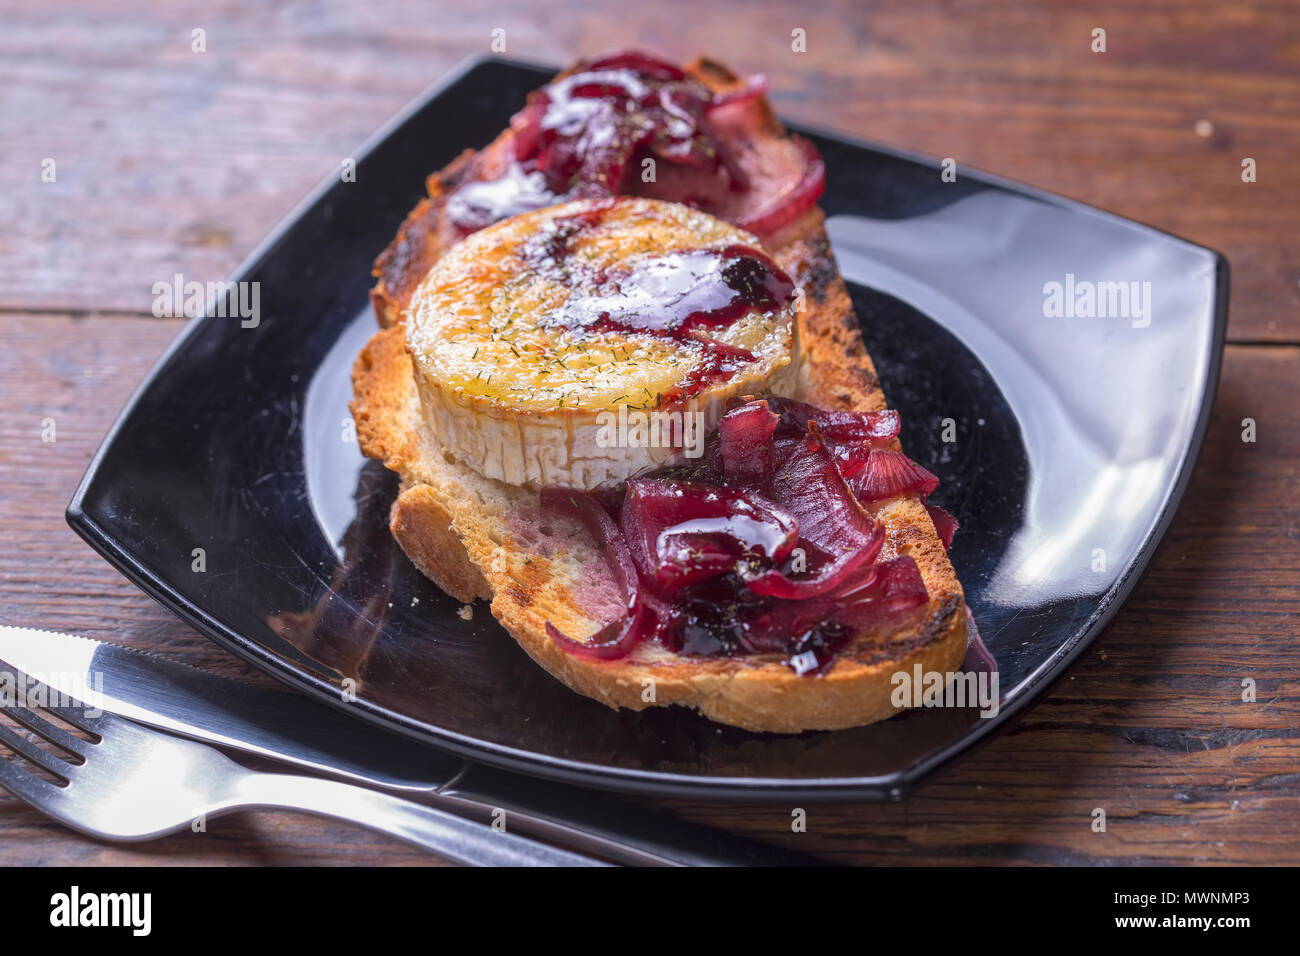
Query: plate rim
887, 787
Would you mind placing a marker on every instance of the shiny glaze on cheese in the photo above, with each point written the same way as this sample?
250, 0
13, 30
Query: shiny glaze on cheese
528, 330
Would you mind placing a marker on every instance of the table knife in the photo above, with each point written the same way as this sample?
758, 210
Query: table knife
292, 729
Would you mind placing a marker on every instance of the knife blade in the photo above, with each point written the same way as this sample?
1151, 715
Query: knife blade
290, 728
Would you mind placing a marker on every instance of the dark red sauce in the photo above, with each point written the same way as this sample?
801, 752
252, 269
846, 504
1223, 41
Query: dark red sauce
722, 617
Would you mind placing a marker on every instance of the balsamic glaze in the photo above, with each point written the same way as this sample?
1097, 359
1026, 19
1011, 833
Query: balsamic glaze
722, 617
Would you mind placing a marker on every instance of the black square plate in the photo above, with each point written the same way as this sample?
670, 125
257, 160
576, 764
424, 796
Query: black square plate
1074, 440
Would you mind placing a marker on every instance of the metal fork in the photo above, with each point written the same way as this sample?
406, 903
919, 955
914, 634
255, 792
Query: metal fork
132, 783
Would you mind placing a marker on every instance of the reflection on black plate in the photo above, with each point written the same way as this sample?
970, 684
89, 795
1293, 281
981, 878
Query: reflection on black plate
1074, 439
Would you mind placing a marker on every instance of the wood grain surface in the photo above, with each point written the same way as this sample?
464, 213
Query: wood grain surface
173, 161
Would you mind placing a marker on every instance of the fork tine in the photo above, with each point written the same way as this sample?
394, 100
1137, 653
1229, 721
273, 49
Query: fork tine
25, 748
74, 715
24, 785
55, 735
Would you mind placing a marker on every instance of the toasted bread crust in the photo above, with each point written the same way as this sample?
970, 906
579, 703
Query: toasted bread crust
478, 538
420, 241
424, 527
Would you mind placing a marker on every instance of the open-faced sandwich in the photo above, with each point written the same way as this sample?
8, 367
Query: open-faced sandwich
623, 384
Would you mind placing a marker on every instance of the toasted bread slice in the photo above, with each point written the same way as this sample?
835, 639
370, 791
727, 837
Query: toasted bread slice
479, 538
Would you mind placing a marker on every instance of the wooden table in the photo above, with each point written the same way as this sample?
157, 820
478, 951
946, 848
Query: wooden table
169, 160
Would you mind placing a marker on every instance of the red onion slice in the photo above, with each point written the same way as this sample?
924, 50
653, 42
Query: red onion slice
616, 638
809, 485
895, 586
837, 426
686, 532
801, 196
887, 474
944, 523
830, 519
745, 438
828, 578
901, 585
527, 128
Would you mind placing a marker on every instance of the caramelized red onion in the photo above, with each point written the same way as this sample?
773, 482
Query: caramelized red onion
830, 519
896, 585
616, 638
846, 432
745, 439
706, 556
584, 134
688, 532
594, 121
810, 485
944, 523
788, 206
901, 585
888, 474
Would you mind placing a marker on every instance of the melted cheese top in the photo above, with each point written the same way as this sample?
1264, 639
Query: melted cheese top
579, 306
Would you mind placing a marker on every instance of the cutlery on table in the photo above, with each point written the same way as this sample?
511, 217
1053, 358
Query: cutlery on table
295, 730
133, 783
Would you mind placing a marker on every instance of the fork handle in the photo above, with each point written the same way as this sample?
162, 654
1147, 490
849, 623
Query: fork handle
449, 836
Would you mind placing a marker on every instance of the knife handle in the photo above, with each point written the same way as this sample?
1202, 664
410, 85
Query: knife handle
614, 829
449, 836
